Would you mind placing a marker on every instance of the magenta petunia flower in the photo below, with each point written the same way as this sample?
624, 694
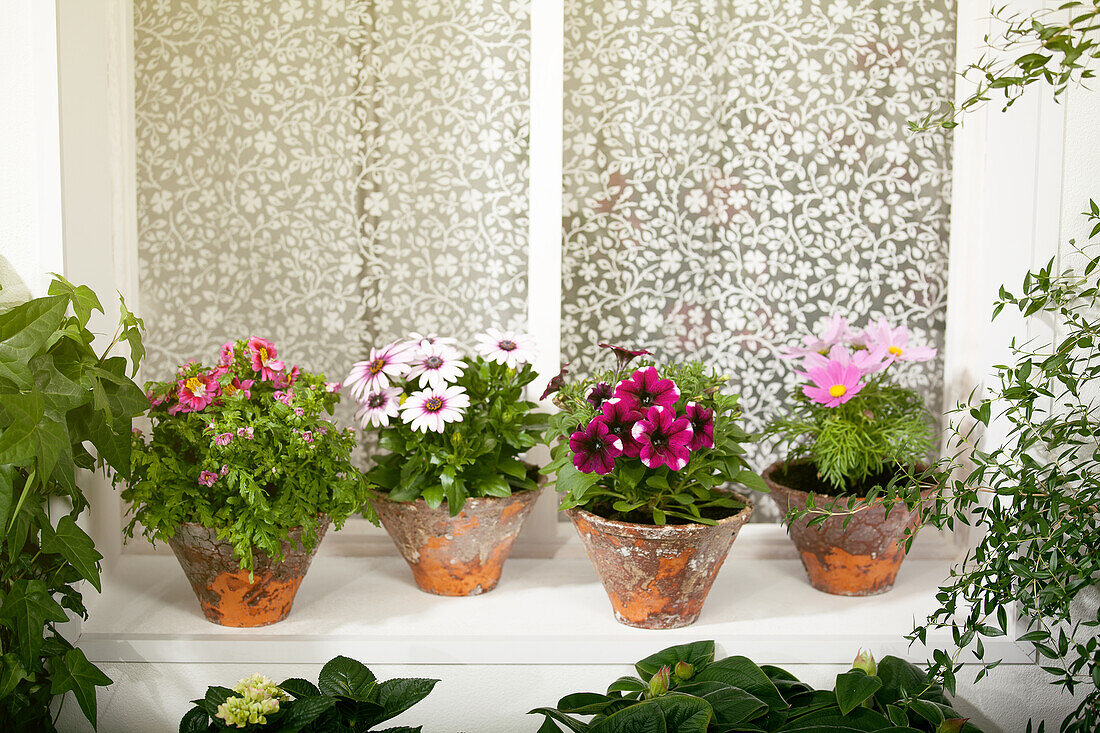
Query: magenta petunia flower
223, 439
197, 392
620, 418
374, 372
599, 394
555, 382
623, 355
595, 448
262, 354
702, 426
663, 438
207, 478
645, 389
895, 343
833, 384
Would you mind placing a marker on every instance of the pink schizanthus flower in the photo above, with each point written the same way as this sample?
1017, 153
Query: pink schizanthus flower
282, 381
663, 438
207, 478
307, 436
645, 388
702, 426
432, 409
895, 343
378, 407
197, 392
247, 433
332, 387
507, 347
595, 448
244, 386
227, 354
223, 439
285, 397
225, 469
374, 372
262, 354
833, 384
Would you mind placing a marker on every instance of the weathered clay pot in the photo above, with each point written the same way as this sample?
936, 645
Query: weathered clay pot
861, 559
224, 591
461, 555
657, 577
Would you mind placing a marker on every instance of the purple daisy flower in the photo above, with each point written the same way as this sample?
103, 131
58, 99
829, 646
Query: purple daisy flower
595, 448
663, 438
620, 418
645, 389
599, 394
702, 425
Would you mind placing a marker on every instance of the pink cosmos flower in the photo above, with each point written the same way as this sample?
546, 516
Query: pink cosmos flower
833, 384
262, 354
646, 388
836, 332
868, 361
507, 347
895, 342
223, 439
595, 448
377, 409
436, 365
207, 478
431, 409
374, 373
227, 354
197, 392
663, 438
620, 416
702, 426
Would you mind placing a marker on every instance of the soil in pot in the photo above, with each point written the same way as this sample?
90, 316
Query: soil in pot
861, 559
461, 555
657, 576
226, 595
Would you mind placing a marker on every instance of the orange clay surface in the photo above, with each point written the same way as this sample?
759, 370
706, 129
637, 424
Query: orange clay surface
842, 573
240, 603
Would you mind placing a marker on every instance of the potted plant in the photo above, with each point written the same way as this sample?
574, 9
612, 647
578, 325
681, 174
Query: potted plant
854, 439
643, 457
347, 697
452, 491
684, 689
241, 475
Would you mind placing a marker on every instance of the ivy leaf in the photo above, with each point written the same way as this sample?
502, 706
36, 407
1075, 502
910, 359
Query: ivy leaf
24, 331
83, 298
81, 677
26, 609
7, 496
72, 543
132, 328
345, 677
12, 672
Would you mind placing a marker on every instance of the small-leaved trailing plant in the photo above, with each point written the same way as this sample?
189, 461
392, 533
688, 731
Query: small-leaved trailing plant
683, 689
452, 425
1033, 500
243, 447
850, 430
1054, 47
57, 395
647, 445
346, 699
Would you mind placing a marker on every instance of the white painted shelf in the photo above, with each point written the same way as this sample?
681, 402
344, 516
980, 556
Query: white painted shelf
544, 611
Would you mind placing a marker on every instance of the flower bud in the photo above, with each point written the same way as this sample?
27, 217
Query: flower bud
952, 725
865, 661
683, 671
658, 683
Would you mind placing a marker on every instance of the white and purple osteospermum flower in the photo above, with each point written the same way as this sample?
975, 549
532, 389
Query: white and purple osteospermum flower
377, 408
432, 409
436, 365
507, 347
374, 373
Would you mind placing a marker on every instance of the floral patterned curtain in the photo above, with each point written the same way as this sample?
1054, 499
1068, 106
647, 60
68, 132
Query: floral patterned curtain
329, 174
734, 171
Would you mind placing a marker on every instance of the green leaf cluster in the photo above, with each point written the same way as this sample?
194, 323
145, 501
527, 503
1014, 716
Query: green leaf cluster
683, 689
633, 492
884, 429
1033, 498
346, 699
272, 459
59, 398
477, 456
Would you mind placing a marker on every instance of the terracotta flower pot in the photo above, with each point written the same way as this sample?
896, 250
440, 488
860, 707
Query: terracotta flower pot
461, 555
657, 577
861, 559
224, 591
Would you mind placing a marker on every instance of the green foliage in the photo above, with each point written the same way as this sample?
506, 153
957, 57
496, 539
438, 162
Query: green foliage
633, 492
1034, 500
57, 394
683, 689
477, 456
346, 699
883, 429
1058, 46
253, 464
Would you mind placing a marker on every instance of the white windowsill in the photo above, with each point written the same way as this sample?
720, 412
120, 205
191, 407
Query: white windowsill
545, 611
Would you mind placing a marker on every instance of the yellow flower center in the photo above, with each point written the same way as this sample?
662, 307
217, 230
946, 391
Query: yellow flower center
376, 366
894, 351
196, 386
838, 390
434, 404
263, 355
229, 390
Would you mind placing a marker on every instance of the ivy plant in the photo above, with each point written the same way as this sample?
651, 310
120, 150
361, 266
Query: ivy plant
347, 698
683, 689
57, 396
